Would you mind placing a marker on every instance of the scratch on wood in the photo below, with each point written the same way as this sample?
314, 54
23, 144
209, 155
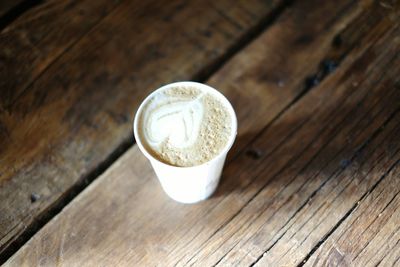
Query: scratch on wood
61, 250
335, 258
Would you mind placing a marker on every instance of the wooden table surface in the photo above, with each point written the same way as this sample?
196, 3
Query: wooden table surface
313, 178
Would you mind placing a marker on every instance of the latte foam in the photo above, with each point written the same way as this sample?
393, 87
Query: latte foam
185, 126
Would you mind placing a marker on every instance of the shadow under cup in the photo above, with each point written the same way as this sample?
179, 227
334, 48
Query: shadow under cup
195, 183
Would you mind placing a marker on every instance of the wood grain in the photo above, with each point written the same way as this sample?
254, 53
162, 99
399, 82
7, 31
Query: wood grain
370, 235
317, 156
38, 37
76, 115
298, 162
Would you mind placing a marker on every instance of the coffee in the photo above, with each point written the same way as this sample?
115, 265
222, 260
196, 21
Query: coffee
184, 125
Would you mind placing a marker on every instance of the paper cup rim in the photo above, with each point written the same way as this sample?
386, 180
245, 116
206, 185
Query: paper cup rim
201, 86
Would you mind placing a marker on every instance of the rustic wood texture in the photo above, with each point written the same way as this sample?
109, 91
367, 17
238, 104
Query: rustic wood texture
72, 111
314, 155
371, 234
30, 44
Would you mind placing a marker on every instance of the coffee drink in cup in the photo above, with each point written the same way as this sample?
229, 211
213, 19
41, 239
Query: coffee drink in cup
185, 125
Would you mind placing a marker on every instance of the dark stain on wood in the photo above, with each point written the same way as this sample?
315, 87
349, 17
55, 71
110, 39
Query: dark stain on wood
337, 41
34, 197
254, 153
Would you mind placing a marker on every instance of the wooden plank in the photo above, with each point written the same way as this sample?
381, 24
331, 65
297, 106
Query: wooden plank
113, 221
34, 40
370, 235
76, 116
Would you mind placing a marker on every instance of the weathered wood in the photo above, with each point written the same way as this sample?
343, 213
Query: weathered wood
78, 112
370, 235
31, 43
323, 209
308, 155
312, 148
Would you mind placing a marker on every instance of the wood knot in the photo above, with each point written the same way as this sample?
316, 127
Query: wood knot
344, 163
312, 81
328, 66
254, 153
337, 41
34, 197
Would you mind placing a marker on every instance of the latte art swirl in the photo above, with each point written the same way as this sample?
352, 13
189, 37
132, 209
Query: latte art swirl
184, 126
176, 121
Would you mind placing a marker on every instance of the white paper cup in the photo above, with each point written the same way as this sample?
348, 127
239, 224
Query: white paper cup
196, 183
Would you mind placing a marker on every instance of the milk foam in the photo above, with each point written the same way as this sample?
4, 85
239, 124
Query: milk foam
184, 126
